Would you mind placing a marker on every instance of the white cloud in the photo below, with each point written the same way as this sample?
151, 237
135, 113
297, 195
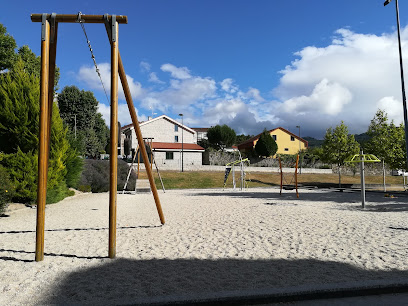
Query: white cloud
154, 79
393, 107
327, 98
181, 94
88, 75
346, 80
181, 73
123, 113
228, 86
254, 94
349, 79
144, 66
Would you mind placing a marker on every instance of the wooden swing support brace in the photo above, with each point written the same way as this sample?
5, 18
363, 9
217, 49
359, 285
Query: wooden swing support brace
138, 131
48, 56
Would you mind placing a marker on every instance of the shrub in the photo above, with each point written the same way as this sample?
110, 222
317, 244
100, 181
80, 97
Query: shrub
96, 175
6, 189
58, 193
22, 168
75, 167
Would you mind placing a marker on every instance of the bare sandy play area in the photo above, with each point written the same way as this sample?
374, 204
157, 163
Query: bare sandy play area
215, 243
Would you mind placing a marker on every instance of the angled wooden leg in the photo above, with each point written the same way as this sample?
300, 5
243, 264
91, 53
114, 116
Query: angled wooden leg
114, 142
138, 132
43, 142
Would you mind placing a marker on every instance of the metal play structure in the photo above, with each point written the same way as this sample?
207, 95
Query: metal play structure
49, 29
230, 167
148, 142
293, 183
363, 158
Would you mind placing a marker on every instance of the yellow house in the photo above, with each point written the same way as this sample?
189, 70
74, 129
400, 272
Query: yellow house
288, 143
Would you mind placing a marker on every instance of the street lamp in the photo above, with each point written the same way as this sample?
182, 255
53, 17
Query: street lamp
404, 100
300, 168
182, 144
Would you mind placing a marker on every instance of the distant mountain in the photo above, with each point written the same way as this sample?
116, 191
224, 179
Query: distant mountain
313, 142
361, 138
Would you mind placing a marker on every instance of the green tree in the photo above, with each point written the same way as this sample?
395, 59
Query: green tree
19, 96
221, 136
241, 138
7, 47
102, 133
266, 145
79, 110
338, 145
32, 64
387, 141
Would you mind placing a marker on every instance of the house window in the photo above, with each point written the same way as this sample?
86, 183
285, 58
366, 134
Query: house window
175, 138
274, 137
286, 149
169, 155
176, 128
292, 138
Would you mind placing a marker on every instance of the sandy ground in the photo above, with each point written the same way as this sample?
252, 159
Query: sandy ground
214, 243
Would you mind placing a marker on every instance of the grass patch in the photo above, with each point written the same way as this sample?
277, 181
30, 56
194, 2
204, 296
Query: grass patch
202, 179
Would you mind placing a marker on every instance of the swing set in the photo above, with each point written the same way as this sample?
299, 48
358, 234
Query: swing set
284, 182
49, 29
148, 142
230, 167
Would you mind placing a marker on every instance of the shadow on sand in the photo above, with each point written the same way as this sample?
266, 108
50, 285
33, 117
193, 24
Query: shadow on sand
225, 281
375, 201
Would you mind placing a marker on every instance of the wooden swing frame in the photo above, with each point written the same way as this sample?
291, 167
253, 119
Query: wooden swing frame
295, 176
49, 29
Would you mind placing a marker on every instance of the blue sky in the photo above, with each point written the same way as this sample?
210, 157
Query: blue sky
248, 64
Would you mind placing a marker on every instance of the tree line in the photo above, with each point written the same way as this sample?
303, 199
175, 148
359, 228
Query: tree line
384, 139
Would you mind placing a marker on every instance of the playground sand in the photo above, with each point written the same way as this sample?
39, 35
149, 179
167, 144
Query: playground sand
214, 244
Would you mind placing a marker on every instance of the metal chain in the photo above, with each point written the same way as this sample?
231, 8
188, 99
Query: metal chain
92, 55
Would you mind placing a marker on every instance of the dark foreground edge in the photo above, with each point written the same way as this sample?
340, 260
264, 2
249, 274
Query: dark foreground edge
265, 297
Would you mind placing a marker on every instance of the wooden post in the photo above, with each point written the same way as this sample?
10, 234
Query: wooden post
114, 139
139, 136
43, 140
362, 179
51, 83
296, 182
281, 175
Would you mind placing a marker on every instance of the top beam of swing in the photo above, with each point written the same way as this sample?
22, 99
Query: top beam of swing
74, 18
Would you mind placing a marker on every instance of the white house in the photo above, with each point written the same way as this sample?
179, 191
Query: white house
171, 141
201, 133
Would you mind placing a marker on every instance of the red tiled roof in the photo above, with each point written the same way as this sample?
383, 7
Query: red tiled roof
176, 146
200, 129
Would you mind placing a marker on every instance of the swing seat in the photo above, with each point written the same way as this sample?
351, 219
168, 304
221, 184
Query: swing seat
288, 187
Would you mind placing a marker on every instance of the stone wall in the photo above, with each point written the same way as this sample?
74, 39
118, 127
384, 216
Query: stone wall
369, 169
222, 158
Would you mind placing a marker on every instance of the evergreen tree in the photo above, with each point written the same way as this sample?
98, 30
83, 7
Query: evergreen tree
221, 136
266, 145
32, 64
19, 96
338, 145
7, 46
19, 99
